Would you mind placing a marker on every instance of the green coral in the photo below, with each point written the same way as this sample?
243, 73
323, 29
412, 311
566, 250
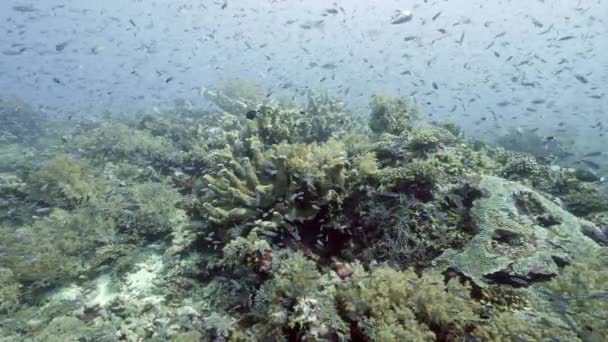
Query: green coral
13, 208
583, 199
580, 296
323, 119
391, 115
63, 182
9, 291
56, 248
388, 305
19, 122
299, 298
429, 138
112, 142
289, 181
148, 209
418, 177
405, 232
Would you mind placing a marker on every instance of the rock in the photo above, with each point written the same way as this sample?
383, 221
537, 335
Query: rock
522, 237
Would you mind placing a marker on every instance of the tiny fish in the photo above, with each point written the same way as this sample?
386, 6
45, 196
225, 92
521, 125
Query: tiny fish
24, 9
14, 52
224, 5
461, 38
537, 23
59, 47
169, 80
132, 22
593, 154
435, 86
329, 66
566, 38
581, 78
590, 163
436, 16
401, 17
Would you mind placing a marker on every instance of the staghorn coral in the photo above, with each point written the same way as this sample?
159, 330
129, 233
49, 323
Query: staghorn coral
391, 115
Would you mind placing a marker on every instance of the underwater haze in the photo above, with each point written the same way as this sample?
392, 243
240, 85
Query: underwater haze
303, 170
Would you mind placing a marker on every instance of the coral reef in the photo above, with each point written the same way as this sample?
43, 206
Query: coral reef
268, 221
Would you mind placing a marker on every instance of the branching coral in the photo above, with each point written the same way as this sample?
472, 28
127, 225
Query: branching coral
55, 249
391, 115
299, 301
322, 120
119, 142
389, 305
580, 296
405, 232
286, 185
429, 138
9, 291
146, 210
418, 178
63, 181
19, 122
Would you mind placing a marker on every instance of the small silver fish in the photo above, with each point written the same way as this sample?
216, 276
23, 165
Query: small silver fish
401, 17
